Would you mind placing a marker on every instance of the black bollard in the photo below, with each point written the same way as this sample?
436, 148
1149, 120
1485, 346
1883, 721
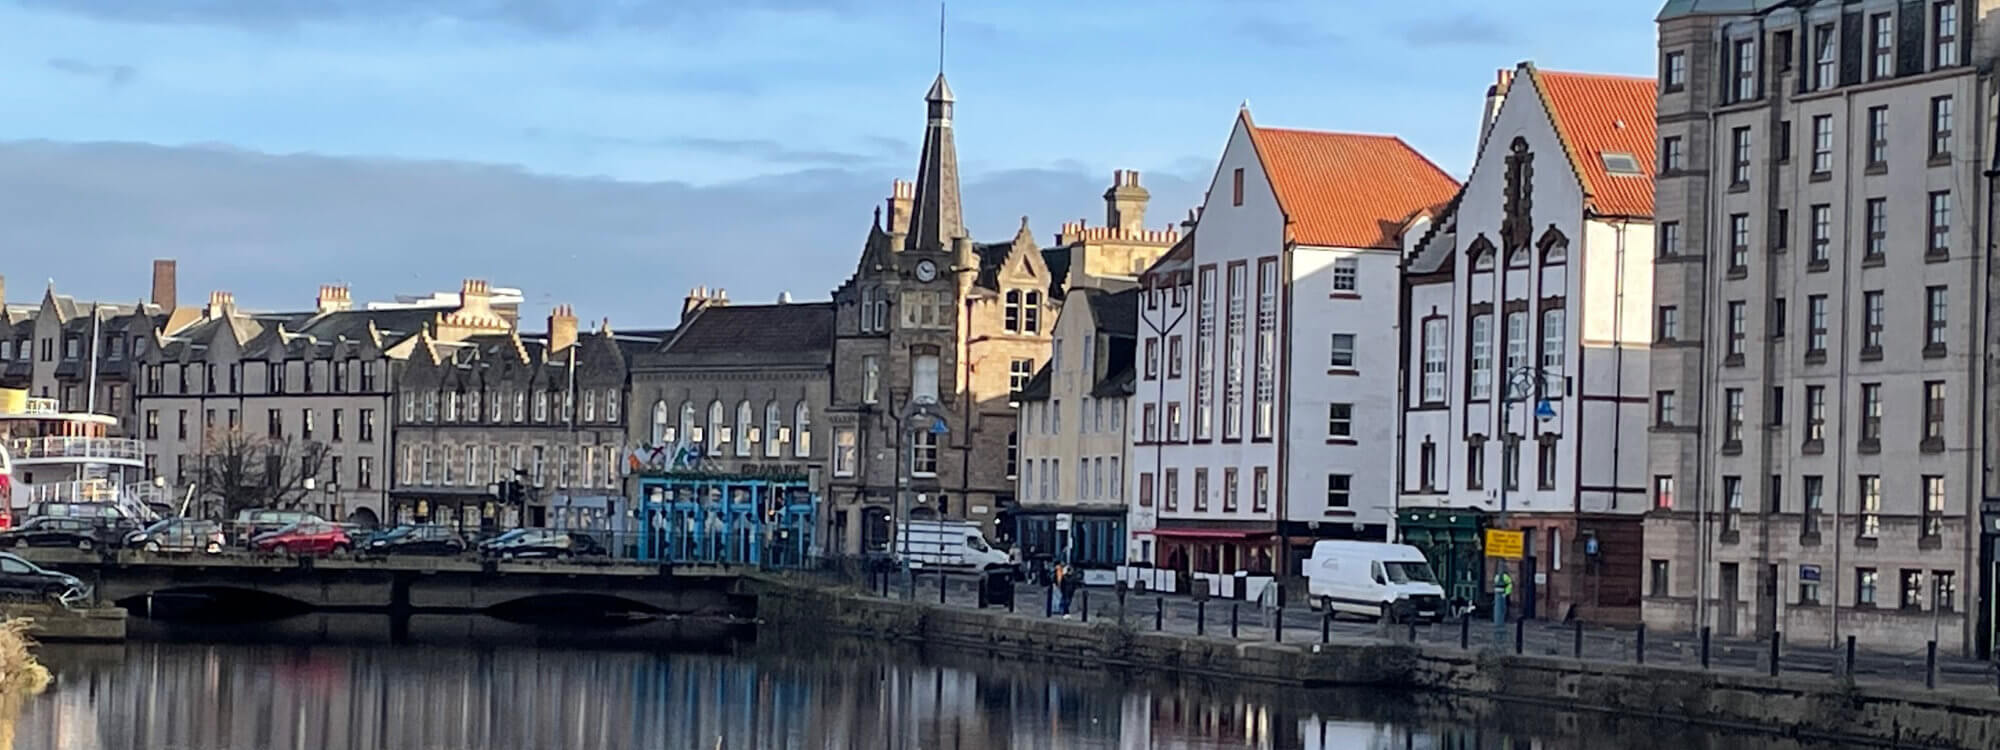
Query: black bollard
1159, 614
1010, 595
941, 583
1413, 630
1850, 656
1201, 617
979, 590
1776, 639
1326, 627
1232, 619
1278, 627
1465, 631
1049, 602
1930, 665
1578, 650
1704, 646
1520, 635
1085, 604
1640, 651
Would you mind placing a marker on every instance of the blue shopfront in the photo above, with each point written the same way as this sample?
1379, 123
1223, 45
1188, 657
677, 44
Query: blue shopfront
728, 519
1084, 538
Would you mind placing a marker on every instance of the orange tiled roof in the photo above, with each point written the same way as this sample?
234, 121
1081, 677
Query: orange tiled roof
1596, 113
1348, 190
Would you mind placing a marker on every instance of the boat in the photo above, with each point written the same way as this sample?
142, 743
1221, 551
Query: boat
61, 463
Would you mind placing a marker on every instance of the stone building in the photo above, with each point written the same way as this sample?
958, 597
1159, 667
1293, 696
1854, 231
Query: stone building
499, 429
1072, 500
1819, 429
83, 353
1112, 256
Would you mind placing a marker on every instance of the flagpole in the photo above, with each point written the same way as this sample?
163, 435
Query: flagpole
96, 341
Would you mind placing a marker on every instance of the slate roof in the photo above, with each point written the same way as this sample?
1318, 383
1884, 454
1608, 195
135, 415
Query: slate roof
1678, 8
1037, 388
1345, 189
1596, 114
992, 255
797, 333
1117, 313
1058, 261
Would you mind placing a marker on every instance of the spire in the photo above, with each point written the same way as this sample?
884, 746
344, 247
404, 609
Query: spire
935, 219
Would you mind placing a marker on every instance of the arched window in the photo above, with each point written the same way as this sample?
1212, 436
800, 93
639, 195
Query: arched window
802, 443
660, 416
744, 425
1031, 313
1011, 320
716, 427
687, 433
1481, 253
1554, 246
773, 424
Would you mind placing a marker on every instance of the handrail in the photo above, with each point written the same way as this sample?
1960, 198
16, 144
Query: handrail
28, 449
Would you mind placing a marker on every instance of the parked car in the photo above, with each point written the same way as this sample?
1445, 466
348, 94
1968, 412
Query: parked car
56, 531
309, 537
255, 522
180, 535
23, 580
545, 543
417, 540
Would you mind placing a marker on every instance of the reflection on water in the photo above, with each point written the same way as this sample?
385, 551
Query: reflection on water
787, 691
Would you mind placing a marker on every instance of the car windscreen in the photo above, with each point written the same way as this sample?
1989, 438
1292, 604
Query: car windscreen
1408, 572
160, 526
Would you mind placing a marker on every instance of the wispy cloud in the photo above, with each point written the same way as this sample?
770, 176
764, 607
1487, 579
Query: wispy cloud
113, 76
541, 16
1464, 29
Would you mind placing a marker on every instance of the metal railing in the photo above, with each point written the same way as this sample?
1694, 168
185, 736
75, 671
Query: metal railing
78, 491
115, 449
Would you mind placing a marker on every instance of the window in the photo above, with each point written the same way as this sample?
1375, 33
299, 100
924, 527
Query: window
1934, 318
1732, 415
445, 466
1746, 69
1814, 491
1200, 490
1148, 423
1552, 352
1933, 505
773, 425
1944, 34
1815, 413
1878, 136
1934, 414
924, 379
274, 423
364, 472
1170, 491
1481, 356
1346, 275
1229, 489
717, 430
1545, 463
1673, 71
1510, 462
541, 406
1174, 431
365, 424
1517, 350
1338, 487
1941, 128
1668, 328
923, 453
305, 424
1777, 406
1944, 589
1475, 462
1816, 324
1340, 420
926, 310
1427, 464
1871, 506
1822, 160
1152, 359
1031, 313
152, 424
1739, 161
1204, 355
1878, 229
1011, 315
871, 379
589, 407
1864, 587
1260, 489
1236, 191
1174, 356
1146, 489
1779, 311
1940, 228
1809, 586
1882, 29
1435, 345
1660, 580
1670, 239
1671, 154
1343, 350
1663, 408
1782, 149
1055, 416
1823, 58
846, 451
1232, 353
1264, 396
427, 463
1871, 412
1732, 502
1738, 328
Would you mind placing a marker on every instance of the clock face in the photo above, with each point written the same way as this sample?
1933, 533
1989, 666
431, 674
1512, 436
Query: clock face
926, 270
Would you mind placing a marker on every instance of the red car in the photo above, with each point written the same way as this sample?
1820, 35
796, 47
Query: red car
312, 537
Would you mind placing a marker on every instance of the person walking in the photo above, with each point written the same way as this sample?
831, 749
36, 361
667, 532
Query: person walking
1067, 581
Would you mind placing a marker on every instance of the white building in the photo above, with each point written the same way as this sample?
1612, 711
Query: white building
1265, 406
1073, 442
1526, 346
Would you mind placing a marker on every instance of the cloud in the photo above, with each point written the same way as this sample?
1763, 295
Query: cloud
271, 228
1456, 30
543, 16
113, 76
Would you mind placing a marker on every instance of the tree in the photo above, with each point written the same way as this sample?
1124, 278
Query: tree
240, 471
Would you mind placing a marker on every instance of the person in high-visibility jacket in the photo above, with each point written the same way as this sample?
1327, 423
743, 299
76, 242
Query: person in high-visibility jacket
1503, 587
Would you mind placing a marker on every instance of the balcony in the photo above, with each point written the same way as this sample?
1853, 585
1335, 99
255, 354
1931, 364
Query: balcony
84, 491
76, 449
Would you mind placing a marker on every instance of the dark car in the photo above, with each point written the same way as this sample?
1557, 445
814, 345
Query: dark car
417, 540
21, 580
55, 531
542, 543
254, 522
179, 535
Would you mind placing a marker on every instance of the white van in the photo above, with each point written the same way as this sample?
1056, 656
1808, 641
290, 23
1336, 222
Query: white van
1373, 579
951, 544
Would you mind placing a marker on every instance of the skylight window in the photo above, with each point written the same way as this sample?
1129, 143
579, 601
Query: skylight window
1620, 163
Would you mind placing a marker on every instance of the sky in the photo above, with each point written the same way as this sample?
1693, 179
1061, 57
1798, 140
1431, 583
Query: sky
612, 154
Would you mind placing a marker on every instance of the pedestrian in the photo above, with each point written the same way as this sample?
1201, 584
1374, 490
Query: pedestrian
1067, 581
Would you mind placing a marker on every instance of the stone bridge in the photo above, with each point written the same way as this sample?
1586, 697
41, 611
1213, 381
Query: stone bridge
406, 585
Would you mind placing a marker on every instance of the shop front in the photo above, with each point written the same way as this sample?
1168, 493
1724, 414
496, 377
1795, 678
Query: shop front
728, 519
1450, 540
472, 511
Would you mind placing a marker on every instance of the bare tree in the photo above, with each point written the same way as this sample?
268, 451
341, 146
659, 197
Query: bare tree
240, 471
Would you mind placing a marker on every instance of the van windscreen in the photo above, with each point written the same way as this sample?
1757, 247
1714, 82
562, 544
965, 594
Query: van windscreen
1407, 572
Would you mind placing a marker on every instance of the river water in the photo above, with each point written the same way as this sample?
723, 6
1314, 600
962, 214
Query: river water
333, 682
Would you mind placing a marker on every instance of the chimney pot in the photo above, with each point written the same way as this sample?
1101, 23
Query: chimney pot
164, 283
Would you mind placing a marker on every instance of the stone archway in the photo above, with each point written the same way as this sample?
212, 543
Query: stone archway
364, 517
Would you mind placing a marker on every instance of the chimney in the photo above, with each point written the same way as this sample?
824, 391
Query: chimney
220, 304
334, 298
784, 298
562, 328
1187, 224
1125, 202
1494, 95
902, 195
702, 297
164, 282
3, 295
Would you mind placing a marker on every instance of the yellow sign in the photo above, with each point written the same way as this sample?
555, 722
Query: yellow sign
1504, 544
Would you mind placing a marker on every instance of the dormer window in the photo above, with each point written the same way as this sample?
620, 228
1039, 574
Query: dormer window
1621, 163
1011, 315
1031, 313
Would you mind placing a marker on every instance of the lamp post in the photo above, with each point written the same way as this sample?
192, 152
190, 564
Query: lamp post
1521, 382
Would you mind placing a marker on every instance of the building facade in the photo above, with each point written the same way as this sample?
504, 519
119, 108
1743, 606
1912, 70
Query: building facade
83, 354
1525, 334
1073, 444
1818, 438
1274, 315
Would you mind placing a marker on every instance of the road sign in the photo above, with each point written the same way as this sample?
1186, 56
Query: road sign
1545, 410
1504, 544
1062, 521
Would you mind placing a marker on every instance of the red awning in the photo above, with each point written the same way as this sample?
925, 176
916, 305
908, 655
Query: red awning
1213, 533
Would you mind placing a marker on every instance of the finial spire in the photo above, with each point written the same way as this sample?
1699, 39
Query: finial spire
940, 37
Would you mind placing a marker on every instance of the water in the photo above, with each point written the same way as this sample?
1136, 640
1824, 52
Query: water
330, 682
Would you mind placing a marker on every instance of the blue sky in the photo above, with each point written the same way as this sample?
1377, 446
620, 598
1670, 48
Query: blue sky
613, 153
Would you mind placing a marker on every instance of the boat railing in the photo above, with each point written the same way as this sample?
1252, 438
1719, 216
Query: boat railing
97, 448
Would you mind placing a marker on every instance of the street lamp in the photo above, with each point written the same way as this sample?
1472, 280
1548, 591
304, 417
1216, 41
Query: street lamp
1521, 382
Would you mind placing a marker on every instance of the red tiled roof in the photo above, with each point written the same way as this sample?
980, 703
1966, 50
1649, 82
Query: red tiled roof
1594, 114
1348, 190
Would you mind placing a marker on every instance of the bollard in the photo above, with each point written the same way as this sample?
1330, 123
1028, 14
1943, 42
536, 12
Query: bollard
1232, 619
1010, 595
1413, 630
1640, 651
1278, 628
1930, 666
1578, 649
1776, 639
1159, 614
1201, 617
1465, 631
1704, 646
979, 590
1326, 627
1850, 656
1085, 604
941, 582
1520, 635
1049, 602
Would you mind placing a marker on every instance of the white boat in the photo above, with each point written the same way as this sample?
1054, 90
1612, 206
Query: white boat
69, 463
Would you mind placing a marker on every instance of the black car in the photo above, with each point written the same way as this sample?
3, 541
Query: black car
417, 540
541, 543
57, 531
21, 580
